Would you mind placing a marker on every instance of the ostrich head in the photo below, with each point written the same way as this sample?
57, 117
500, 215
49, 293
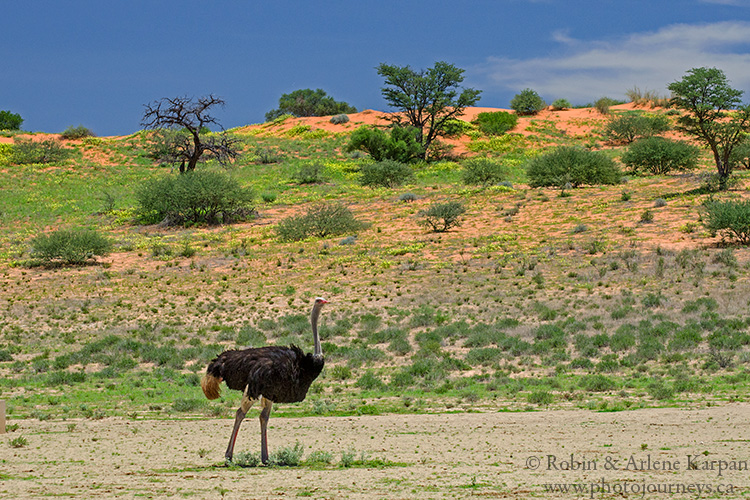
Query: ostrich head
317, 306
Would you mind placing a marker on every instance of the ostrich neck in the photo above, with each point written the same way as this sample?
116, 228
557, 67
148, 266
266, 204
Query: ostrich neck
316, 339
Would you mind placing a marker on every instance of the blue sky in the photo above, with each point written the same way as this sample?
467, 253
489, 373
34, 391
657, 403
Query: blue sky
97, 63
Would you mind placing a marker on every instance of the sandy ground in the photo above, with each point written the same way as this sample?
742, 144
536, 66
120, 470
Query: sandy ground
490, 455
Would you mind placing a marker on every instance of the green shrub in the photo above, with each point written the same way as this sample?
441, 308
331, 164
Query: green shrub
454, 127
660, 391
308, 102
385, 173
339, 119
622, 340
319, 457
484, 171
407, 197
572, 165
287, 456
370, 382
603, 103
401, 145
320, 221
10, 120
6, 150
69, 246
441, 217
560, 104
729, 218
597, 383
78, 132
246, 459
627, 127
27, 151
495, 123
311, 173
541, 398
189, 405
527, 102
658, 156
198, 197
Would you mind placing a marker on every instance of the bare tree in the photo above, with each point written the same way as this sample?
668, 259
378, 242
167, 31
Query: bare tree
193, 117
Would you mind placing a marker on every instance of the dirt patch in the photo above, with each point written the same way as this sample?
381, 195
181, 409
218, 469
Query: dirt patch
496, 455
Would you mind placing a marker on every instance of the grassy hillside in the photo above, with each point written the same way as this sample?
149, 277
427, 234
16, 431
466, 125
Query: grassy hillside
536, 299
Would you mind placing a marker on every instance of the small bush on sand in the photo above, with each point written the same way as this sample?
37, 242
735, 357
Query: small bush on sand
69, 247
198, 197
339, 119
484, 171
527, 102
78, 132
320, 221
627, 127
560, 104
574, 166
728, 218
386, 173
26, 151
659, 156
441, 217
496, 123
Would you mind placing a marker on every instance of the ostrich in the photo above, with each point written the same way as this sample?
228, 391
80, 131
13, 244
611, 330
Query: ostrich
273, 374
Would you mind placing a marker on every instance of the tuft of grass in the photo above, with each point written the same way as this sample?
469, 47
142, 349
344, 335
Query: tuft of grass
18, 442
287, 456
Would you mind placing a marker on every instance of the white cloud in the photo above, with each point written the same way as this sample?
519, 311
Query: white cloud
733, 3
586, 70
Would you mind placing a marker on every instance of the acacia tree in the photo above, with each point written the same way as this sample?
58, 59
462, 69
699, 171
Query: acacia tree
714, 114
427, 99
190, 119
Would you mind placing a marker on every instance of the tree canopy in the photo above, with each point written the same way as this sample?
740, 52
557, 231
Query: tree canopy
714, 114
308, 102
427, 99
10, 120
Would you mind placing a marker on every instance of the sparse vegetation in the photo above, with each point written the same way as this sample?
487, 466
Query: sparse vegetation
537, 301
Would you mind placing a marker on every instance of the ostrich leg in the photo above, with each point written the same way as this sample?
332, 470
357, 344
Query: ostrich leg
265, 414
241, 412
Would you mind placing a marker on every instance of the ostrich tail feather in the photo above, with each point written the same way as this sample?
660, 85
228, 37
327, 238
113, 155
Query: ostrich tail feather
210, 386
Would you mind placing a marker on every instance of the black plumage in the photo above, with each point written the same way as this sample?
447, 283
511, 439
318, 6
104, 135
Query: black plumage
280, 374
273, 374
